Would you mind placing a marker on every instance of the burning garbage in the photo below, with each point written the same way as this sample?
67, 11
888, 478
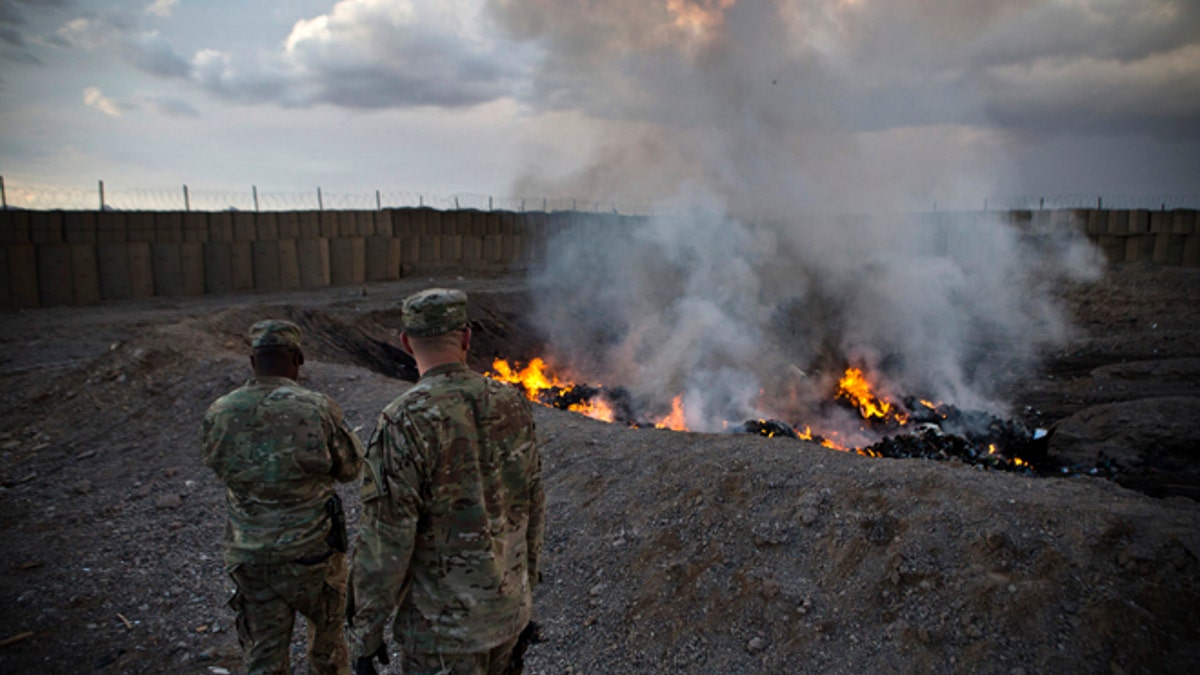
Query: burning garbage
908, 427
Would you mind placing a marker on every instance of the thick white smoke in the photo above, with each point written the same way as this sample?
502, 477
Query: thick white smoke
741, 120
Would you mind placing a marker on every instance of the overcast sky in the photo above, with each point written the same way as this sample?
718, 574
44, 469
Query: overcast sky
838, 103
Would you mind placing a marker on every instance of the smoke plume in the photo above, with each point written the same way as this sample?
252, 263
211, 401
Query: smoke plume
785, 253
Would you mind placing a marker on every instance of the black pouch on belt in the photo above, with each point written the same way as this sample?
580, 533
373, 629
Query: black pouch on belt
337, 539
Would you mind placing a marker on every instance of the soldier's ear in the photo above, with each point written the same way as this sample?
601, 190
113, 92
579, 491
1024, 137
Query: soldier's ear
298, 358
465, 340
406, 343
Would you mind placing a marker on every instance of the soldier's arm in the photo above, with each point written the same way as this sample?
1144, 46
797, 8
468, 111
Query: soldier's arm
345, 448
391, 497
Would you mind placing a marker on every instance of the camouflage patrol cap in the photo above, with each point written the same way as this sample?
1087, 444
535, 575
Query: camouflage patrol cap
434, 311
275, 333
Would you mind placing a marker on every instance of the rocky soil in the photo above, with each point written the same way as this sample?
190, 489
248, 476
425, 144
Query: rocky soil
666, 552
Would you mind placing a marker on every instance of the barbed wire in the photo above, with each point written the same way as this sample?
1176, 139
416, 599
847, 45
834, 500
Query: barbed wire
1091, 201
46, 198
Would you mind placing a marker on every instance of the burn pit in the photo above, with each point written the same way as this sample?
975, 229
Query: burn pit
906, 428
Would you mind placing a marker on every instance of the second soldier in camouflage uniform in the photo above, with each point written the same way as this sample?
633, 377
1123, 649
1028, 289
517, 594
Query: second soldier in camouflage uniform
452, 509
279, 447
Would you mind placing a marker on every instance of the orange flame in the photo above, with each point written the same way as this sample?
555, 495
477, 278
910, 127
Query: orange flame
536, 378
854, 387
597, 409
533, 377
675, 420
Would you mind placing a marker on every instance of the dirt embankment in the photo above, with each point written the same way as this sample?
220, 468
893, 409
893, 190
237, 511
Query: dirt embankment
666, 552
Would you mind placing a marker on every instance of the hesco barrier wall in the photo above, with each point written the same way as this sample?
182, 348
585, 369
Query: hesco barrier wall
86, 257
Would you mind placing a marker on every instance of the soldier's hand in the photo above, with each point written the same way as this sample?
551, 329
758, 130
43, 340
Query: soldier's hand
365, 665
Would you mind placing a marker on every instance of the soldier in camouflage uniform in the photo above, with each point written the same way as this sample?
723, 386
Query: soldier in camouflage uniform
279, 447
452, 509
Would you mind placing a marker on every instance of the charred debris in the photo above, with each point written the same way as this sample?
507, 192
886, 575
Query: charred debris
941, 432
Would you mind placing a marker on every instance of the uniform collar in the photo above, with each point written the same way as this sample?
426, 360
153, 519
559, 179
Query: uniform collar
272, 380
445, 369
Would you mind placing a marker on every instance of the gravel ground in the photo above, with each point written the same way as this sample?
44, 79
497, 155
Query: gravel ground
666, 552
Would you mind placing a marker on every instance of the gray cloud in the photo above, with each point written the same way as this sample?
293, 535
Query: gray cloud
361, 54
16, 32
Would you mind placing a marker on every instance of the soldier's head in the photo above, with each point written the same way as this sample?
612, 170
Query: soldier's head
276, 348
436, 329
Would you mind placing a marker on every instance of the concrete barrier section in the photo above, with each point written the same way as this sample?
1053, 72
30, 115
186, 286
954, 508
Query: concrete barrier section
140, 227
79, 227
347, 261
366, 223
347, 224
14, 227
1139, 247
5, 281
1118, 223
383, 223
1168, 248
218, 267
405, 223
289, 265
451, 249
383, 258
310, 225
491, 249
245, 226
54, 274
410, 254
191, 263
1113, 248
168, 269
1185, 222
430, 250
113, 263
195, 227
329, 224
22, 275
111, 228
289, 224
141, 269
431, 225
46, 227
85, 275
1139, 221
1191, 250
1161, 221
266, 265
472, 251
241, 261
220, 226
168, 227
313, 255
266, 226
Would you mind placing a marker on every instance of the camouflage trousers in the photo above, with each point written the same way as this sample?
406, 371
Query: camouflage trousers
266, 602
496, 661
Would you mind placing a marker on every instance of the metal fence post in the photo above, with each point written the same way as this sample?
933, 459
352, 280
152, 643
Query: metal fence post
254, 189
187, 204
3, 194
320, 203
101, 195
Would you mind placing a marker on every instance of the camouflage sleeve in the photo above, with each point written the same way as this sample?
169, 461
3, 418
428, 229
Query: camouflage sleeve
345, 448
537, 519
208, 446
391, 497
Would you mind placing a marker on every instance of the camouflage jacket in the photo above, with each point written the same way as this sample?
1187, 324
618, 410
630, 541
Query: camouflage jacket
278, 447
452, 518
